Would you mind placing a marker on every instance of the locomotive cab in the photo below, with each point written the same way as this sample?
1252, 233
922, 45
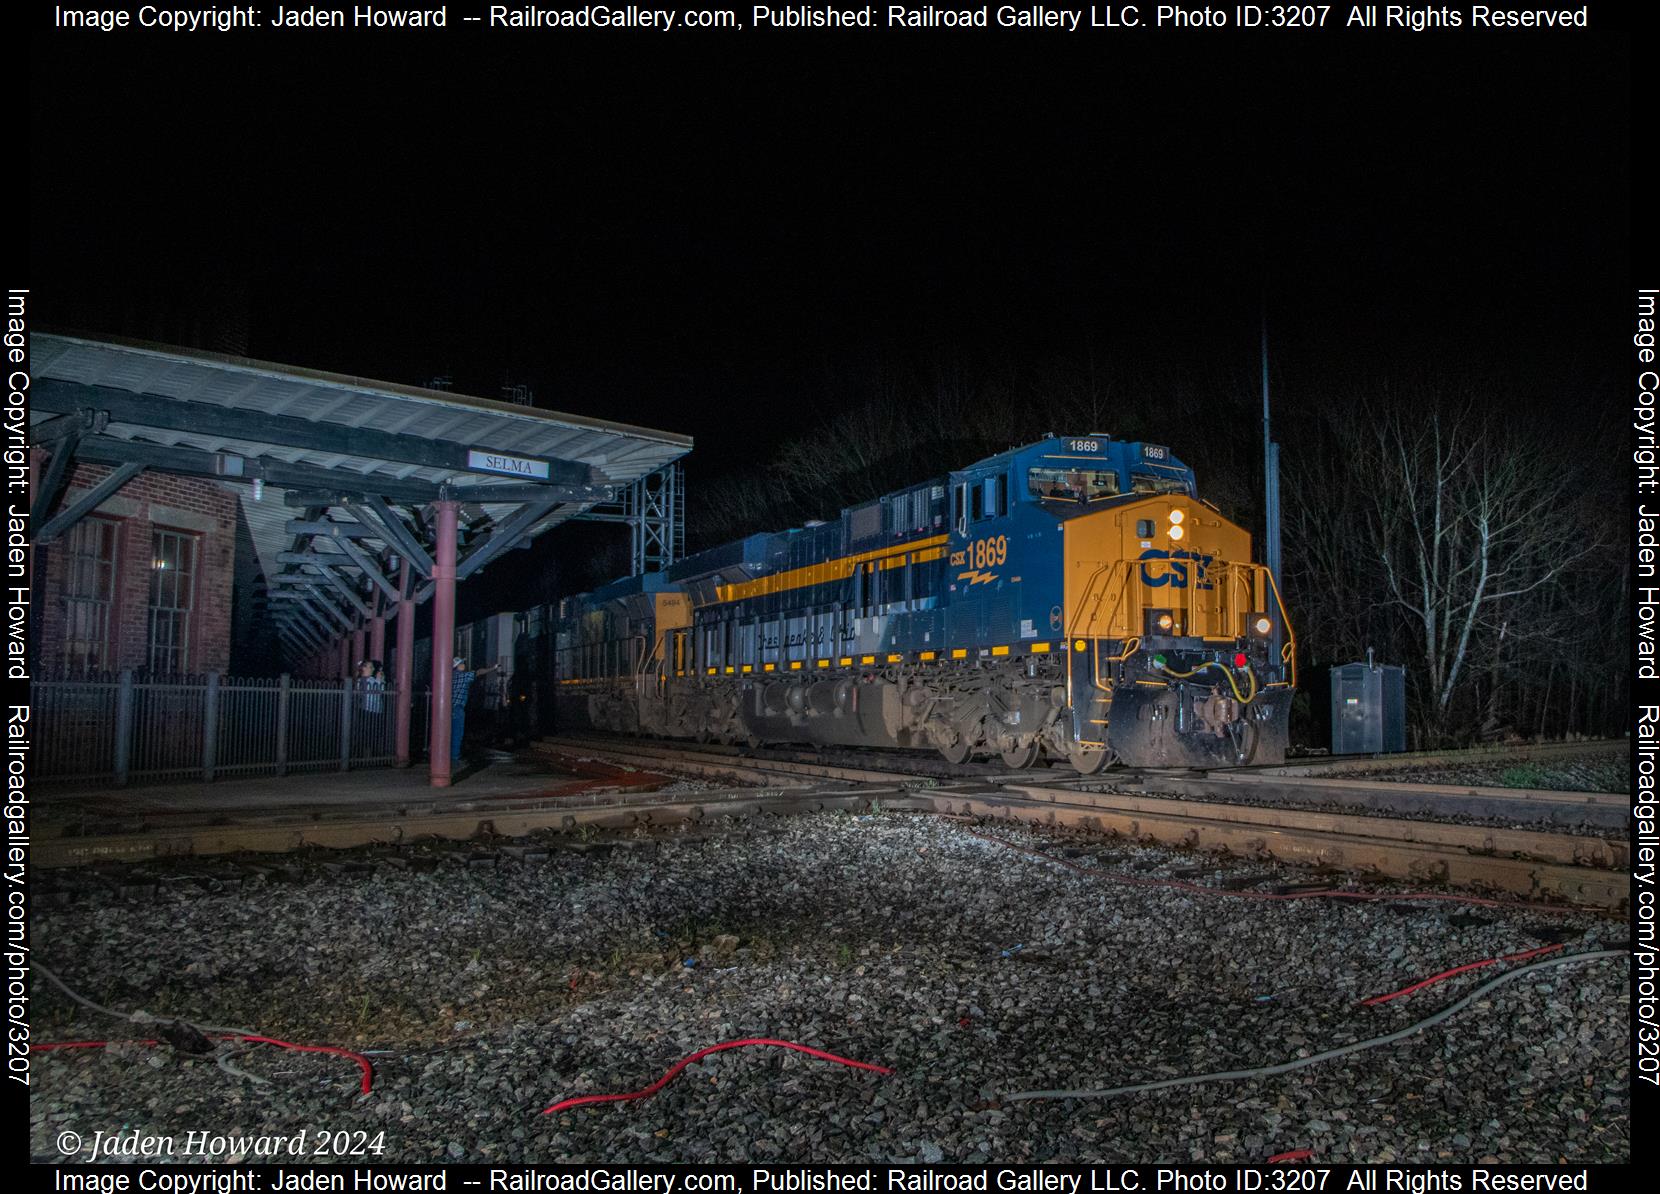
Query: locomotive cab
1179, 649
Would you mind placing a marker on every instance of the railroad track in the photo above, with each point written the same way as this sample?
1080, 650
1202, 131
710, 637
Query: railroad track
1527, 805
1539, 860
1549, 862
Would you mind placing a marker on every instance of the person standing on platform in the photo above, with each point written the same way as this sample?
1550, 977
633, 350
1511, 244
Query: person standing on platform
461, 684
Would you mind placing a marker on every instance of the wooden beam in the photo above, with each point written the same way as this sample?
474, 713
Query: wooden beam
346, 590
504, 536
531, 493
374, 509
356, 555
87, 503
333, 530
231, 467
52, 481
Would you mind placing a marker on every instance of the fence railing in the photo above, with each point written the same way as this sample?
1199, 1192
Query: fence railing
126, 727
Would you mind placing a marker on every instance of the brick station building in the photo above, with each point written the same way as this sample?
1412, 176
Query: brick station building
144, 582
184, 502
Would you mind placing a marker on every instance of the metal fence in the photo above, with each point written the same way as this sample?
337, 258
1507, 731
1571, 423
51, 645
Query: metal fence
125, 727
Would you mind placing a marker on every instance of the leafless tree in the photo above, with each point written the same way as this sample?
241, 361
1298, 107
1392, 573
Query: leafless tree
1462, 522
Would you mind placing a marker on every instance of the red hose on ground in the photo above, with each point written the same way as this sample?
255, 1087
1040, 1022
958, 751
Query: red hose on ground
1325, 893
675, 1069
1435, 978
362, 1061
1296, 1154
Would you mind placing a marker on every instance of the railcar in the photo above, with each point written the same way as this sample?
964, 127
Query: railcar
1071, 599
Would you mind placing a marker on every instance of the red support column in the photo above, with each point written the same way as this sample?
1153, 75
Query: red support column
403, 672
344, 657
377, 637
360, 648
443, 642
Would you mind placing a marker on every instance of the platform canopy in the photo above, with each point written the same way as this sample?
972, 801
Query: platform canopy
336, 474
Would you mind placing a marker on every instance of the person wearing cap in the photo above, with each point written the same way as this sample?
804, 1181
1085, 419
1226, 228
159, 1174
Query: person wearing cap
461, 683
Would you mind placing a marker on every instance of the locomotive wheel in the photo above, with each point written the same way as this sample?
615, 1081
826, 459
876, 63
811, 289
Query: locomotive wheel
957, 753
1018, 758
1088, 760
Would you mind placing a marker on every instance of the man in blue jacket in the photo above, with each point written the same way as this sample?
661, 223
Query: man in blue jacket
461, 683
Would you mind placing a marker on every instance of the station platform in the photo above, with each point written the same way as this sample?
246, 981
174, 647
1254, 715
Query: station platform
327, 808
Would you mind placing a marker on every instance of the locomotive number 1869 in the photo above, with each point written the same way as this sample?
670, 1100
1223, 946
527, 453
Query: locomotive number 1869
988, 553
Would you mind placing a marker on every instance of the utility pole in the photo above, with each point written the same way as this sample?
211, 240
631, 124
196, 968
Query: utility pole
1270, 466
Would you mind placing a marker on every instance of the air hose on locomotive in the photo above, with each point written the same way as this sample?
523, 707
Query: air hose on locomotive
1242, 732
1221, 667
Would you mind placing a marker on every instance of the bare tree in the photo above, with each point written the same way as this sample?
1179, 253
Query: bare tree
1466, 524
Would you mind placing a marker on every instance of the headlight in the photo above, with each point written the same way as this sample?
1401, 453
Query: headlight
1176, 532
1176, 516
1263, 625
1159, 621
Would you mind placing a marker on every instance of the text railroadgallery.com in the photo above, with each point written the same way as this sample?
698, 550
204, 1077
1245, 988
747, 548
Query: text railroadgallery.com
1646, 730
18, 494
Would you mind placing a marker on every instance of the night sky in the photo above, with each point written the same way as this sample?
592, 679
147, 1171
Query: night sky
706, 236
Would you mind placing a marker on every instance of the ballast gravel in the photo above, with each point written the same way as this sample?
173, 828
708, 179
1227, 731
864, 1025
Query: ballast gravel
489, 980
1594, 771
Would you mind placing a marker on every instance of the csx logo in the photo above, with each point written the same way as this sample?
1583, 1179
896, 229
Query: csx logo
1174, 570
981, 554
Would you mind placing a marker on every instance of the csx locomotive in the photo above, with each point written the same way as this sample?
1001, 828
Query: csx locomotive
1072, 599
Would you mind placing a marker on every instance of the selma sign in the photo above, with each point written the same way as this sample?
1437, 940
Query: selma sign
516, 466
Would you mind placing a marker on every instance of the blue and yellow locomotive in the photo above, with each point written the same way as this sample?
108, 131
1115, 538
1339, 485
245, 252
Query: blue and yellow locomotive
1072, 599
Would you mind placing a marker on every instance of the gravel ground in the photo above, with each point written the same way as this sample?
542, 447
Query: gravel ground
1595, 771
489, 990
1246, 794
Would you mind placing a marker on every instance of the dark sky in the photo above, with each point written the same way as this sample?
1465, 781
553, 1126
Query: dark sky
686, 234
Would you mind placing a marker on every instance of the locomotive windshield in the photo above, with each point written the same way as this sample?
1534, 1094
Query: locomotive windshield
1072, 484
1147, 483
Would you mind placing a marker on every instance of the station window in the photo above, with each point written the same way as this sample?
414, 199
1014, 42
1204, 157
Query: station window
1147, 483
1072, 484
172, 600
88, 593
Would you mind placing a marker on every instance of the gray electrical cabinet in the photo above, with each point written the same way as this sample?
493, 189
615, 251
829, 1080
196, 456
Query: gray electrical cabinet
1368, 709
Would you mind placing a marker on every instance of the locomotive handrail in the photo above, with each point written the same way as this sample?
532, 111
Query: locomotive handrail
1126, 649
1288, 651
1100, 593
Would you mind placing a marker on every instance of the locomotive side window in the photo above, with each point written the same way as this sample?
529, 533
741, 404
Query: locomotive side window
1072, 484
988, 498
